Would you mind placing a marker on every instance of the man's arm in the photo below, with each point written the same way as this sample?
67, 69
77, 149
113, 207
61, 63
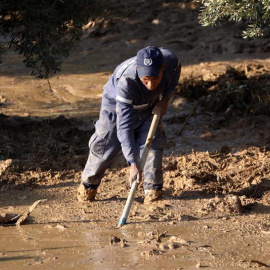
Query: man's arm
125, 126
162, 105
125, 130
125, 133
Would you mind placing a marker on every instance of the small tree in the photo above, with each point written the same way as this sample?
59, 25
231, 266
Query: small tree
44, 31
255, 12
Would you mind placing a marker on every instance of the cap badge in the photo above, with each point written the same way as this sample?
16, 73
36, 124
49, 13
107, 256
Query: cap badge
147, 61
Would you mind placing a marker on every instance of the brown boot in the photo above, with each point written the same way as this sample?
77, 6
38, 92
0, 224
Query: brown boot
86, 194
152, 195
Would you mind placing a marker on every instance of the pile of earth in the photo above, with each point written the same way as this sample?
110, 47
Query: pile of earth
31, 146
242, 89
35, 151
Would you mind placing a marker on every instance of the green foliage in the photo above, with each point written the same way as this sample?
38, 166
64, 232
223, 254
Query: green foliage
255, 12
44, 31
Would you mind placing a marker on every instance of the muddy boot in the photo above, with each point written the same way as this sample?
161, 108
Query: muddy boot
86, 194
152, 195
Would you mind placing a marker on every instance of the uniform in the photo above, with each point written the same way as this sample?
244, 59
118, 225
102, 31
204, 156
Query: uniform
124, 121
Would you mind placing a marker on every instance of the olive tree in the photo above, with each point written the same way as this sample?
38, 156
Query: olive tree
44, 31
255, 14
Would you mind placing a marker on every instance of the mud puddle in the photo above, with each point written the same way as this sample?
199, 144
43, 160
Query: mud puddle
187, 245
61, 96
85, 246
86, 110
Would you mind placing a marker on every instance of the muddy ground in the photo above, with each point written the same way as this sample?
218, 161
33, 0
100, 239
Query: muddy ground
216, 205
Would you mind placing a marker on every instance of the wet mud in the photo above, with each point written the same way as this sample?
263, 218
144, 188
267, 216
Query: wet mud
216, 204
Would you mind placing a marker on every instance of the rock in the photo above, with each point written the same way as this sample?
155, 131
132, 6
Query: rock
235, 204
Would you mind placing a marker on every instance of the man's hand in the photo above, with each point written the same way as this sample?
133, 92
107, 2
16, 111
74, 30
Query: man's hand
162, 106
134, 174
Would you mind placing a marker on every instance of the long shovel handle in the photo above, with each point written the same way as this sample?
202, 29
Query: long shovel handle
145, 152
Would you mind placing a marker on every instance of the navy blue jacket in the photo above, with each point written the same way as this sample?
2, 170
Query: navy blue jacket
127, 95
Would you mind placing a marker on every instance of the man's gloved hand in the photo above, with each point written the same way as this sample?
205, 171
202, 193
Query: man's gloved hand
134, 174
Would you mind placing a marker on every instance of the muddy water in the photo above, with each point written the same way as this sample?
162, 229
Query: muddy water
79, 246
68, 95
89, 246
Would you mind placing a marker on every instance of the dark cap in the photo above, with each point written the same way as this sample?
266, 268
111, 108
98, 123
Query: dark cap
149, 61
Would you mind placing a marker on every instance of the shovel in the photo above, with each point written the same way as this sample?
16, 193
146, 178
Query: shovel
135, 184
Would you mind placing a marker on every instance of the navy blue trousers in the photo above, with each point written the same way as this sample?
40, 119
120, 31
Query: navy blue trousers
104, 146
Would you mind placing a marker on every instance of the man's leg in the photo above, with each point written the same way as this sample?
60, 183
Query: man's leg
153, 173
153, 176
103, 147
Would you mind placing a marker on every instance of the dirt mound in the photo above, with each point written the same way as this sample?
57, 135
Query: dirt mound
240, 89
40, 145
245, 172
